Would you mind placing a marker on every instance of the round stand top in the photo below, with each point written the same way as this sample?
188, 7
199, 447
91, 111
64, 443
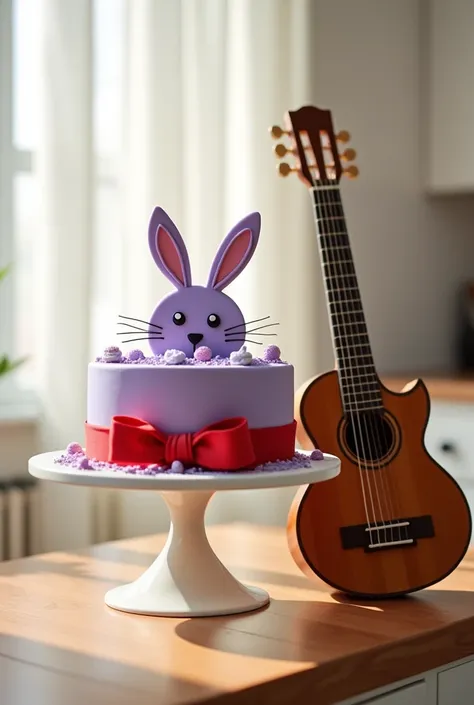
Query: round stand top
43, 467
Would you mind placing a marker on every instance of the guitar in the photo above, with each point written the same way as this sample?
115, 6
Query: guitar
393, 521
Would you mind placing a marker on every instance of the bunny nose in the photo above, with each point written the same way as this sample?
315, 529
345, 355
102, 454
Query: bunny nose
195, 338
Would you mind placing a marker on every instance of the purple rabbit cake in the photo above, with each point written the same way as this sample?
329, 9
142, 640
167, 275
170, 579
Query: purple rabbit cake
200, 400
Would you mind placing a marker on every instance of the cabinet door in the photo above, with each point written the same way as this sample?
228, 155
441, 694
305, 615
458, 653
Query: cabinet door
450, 438
414, 694
456, 685
450, 114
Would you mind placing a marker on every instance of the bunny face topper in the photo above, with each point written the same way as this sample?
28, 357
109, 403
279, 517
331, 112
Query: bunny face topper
194, 316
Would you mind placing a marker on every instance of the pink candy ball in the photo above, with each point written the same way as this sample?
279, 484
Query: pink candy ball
74, 448
203, 354
272, 352
317, 455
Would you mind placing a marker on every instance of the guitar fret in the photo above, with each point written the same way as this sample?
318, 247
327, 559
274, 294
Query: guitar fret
346, 301
345, 261
363, 375
331, 226
364, 385
352, 335
369, 392
343, 275
356, 407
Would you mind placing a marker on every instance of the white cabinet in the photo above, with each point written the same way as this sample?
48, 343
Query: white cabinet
450, 441
415, 694
456, 685
448, 115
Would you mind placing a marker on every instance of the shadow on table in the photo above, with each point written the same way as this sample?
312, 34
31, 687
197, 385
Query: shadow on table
36, 672
331, 626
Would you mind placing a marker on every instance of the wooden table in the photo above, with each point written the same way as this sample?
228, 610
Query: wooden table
60, 645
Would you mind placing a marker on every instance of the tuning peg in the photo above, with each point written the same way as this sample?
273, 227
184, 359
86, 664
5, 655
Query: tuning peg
276, 132
349, 155
285, 169
280, 150
352, 171
343, 136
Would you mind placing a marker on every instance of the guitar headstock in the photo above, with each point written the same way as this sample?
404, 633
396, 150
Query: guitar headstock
314, 147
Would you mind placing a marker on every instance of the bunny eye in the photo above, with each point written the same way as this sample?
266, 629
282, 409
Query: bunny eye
179, 318
213, 320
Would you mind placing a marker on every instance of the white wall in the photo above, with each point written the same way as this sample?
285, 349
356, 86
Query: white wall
411, 251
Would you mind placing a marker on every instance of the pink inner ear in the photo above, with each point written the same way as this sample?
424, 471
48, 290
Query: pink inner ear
234, 255
169, 253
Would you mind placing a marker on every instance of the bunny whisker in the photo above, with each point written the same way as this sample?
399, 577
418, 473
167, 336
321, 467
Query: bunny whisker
139, 320
244, 340
229, 335
246, 323
141, 330
254, 330
131, 332
133, 340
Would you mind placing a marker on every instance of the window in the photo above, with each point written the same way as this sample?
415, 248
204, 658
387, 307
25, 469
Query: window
19, 202
20, 86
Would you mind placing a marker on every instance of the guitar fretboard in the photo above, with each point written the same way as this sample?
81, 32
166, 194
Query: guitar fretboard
360, 389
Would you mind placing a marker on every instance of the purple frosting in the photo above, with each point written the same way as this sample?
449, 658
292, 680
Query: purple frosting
135, 355
271, 353
159, 361
81, 462
317, 455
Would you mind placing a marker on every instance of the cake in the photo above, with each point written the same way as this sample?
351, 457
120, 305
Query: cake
199, 400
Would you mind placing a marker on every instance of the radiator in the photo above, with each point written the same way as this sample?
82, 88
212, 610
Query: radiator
19, 518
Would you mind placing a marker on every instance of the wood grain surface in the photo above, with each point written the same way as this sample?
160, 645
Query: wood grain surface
61, 645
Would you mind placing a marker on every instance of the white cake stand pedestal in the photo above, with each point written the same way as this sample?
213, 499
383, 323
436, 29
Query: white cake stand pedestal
187, 579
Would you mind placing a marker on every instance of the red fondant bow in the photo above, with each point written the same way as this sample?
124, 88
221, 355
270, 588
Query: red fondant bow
226, 445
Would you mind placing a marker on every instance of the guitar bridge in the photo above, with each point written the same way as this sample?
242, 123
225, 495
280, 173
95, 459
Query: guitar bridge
387, 535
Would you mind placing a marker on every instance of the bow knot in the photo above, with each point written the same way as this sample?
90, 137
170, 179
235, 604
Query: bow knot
226, 445
179, 447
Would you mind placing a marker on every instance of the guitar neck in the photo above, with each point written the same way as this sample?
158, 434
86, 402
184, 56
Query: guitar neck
358, 380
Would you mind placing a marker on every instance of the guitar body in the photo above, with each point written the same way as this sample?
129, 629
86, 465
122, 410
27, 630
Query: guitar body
405, 483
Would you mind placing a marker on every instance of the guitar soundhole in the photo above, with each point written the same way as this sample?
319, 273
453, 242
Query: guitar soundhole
370, 436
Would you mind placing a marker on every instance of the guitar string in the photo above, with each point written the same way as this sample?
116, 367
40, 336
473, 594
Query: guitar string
351, 356
369, 417
330, 265
384, 472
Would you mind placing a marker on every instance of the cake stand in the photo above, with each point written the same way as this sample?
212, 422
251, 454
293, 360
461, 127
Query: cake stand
186, 579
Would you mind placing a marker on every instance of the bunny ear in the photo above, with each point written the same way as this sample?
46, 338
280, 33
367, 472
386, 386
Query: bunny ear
235, 252
168, 249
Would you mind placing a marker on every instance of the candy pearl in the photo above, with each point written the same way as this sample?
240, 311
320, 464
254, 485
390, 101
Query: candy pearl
136, 355
177, 466
73, 448
317, 455
272, 352
84, 464
203, 354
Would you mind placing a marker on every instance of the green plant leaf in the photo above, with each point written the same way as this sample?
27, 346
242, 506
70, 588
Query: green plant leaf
7, 365
4, 271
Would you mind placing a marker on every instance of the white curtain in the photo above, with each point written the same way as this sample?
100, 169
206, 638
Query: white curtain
200, 82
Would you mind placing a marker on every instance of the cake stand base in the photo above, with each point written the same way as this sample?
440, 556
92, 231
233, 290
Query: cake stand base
187, 579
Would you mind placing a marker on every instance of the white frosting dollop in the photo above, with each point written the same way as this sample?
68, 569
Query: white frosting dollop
174, 357
241, 357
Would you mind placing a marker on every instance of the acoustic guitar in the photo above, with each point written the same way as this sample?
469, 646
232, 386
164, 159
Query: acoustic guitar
393, 521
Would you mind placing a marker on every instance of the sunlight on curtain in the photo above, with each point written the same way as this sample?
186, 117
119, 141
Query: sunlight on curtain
158, 102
